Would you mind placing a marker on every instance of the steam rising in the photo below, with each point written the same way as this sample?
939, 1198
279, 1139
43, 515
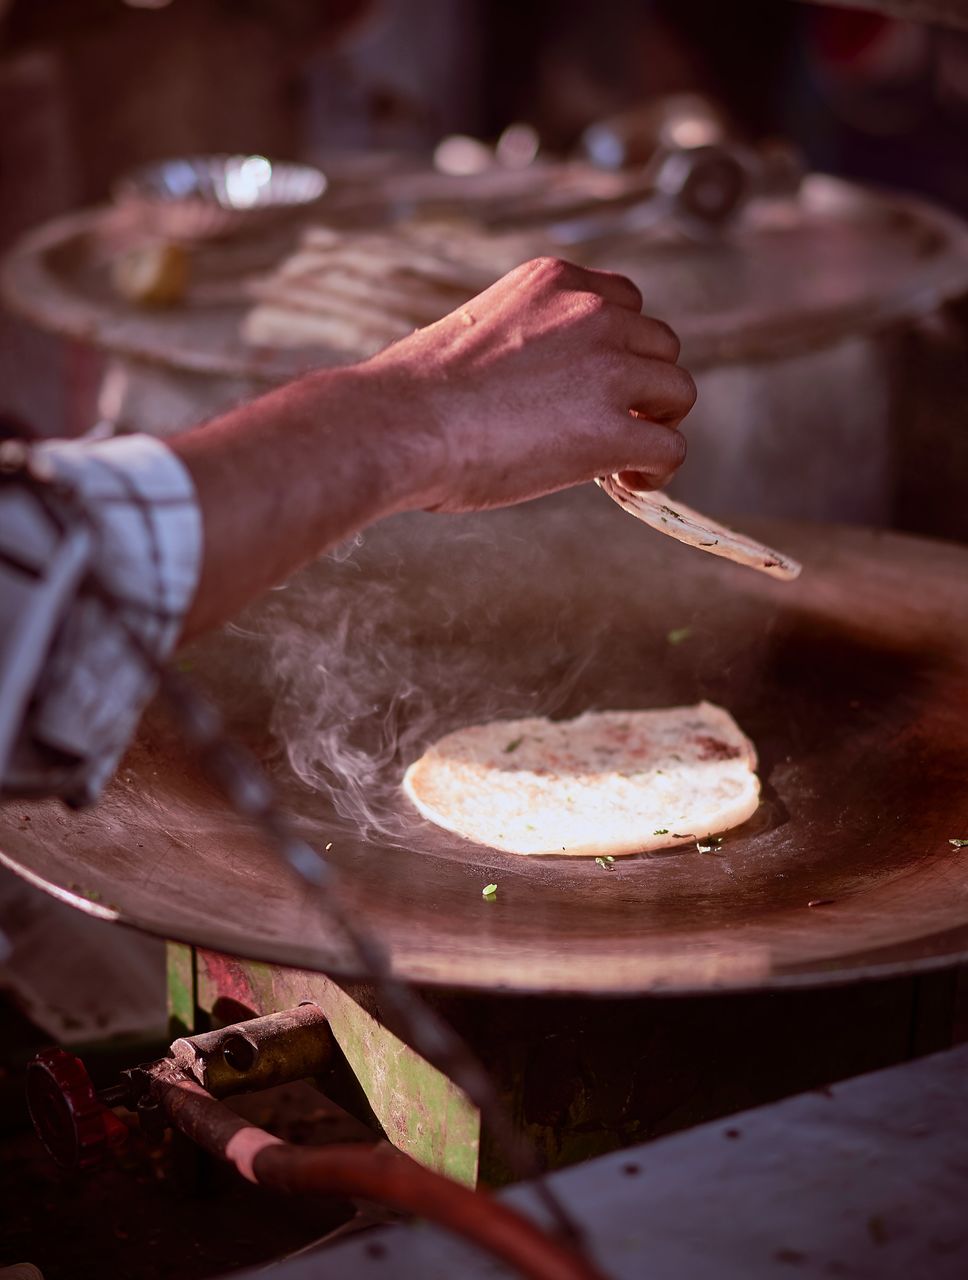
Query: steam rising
414, 629
429, 623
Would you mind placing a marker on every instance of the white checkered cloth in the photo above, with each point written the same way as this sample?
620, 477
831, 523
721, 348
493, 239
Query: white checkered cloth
138, 501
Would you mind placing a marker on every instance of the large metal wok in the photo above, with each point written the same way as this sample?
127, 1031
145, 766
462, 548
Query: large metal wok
853, 682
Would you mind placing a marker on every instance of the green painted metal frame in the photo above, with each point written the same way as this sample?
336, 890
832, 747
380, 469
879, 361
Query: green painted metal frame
581, 1078
384, 1081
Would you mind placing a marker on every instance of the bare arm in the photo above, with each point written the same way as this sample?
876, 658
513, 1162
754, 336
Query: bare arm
529, 388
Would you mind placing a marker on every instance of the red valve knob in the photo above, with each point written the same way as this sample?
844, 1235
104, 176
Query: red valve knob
75, 1127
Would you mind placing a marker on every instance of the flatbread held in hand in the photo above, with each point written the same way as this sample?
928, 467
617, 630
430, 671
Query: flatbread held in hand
664, 514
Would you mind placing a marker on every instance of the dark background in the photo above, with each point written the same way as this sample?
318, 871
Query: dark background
89, 88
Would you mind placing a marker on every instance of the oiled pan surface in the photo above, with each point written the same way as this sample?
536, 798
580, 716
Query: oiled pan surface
852, 682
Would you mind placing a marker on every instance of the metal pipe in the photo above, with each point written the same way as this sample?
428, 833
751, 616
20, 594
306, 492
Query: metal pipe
257, 1054
378, 1173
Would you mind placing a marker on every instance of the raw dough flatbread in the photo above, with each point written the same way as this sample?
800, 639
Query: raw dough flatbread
664, 514
607, 783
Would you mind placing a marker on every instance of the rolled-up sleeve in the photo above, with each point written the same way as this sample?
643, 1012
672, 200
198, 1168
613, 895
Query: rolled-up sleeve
143, 546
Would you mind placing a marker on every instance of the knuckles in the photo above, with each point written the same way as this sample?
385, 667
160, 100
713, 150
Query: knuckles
689, 392
552, 270
590, 307
666, 338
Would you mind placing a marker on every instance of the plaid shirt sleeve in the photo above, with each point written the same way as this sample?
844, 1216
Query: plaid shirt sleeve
137, 504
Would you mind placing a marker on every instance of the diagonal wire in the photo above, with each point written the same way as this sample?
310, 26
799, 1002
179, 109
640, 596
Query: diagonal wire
245, 786
249, 793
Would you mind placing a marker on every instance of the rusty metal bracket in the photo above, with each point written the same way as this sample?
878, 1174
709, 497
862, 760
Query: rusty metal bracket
257, 1054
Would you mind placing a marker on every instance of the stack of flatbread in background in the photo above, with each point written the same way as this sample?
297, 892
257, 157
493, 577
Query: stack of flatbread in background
358, 292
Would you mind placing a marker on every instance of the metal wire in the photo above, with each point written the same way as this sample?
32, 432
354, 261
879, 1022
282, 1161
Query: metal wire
248, 791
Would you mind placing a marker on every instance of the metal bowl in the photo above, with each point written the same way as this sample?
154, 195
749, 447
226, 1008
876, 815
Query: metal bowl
200, 197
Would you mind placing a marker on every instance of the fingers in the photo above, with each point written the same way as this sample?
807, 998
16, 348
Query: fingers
659, 391
568, 276
648, 455
613, 288
652, 449
641, 482
643, 335
646, 336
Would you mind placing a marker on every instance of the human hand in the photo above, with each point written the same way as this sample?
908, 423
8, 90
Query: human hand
532, 386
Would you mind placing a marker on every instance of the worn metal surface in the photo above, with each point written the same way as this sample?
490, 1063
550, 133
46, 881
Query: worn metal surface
866, 1180
852, 682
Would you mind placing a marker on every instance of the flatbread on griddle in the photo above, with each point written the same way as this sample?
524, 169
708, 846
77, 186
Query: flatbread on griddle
606, 784
665, 515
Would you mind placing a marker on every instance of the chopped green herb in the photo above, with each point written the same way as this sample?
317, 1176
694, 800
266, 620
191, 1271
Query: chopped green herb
513, 744
662, 831
959, 844
678, 635
489, 891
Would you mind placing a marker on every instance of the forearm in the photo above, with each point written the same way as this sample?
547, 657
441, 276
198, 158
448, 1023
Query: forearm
282, 478
549, 378
526, 389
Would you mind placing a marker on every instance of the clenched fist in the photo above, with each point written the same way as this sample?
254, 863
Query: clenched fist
547, 379
550, 377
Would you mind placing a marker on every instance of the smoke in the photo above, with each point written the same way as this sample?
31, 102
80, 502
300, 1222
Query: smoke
428, 623
417, 627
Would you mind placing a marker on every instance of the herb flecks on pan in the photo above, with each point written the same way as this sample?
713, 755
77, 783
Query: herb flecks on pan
489, 891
